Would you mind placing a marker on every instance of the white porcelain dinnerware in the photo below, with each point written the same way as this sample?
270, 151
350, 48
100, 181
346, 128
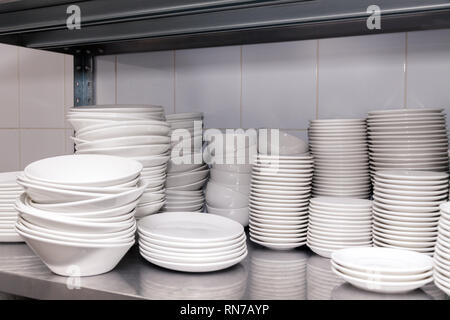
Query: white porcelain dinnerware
10, 190
191, 242
441, 256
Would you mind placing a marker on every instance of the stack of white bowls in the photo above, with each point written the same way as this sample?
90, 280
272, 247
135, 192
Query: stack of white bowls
337, 223
186, 132
406, 208
227, 191
442, 251
186, 177
341, 161
9, 192
409, 139
279, 197
321, 280
278, 275
136, 132
191, 241
77, 212
383, 270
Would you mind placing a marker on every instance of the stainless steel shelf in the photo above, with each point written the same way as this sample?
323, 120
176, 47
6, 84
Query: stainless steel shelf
22, 273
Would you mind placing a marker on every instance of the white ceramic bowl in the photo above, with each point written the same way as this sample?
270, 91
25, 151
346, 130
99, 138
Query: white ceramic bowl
240, 215
287, 144
221, 196
129, 151
69, 258
176, 180
230, 178
84, 170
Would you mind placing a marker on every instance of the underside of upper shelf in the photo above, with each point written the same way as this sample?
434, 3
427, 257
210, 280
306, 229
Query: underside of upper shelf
116, 26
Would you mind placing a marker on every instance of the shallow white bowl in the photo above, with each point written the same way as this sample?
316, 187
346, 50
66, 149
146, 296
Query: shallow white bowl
129, 151
176, 180
240, 215
230, 178
221, 196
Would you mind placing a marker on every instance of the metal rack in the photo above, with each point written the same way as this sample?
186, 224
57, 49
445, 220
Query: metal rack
116, 26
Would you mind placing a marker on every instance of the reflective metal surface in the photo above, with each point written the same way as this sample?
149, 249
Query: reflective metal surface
265, 274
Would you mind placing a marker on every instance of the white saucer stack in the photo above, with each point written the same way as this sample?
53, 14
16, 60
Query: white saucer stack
337, 223
409, 139
321, 280
184, 186
279, 197
9, 192
191, 241
406, 208
383, 270
77, 212
442, 251
276, 275
136, 132
341, 161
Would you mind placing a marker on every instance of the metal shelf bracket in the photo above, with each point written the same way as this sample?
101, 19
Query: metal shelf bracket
84, 78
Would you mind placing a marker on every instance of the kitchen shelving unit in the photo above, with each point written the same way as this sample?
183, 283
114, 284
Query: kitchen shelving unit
117, 26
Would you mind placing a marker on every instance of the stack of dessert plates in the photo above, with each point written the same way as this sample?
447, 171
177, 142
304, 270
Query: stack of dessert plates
341, 161
9, 192
321, 280
411, 139
336, 223
278, 275
383, 270
279, 197
442, 251
191, 241
406, 208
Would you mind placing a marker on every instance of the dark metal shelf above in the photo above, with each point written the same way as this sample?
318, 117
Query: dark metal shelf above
115, 26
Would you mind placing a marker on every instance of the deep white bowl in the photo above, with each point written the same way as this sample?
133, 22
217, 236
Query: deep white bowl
240, 215
230, 178
220, 196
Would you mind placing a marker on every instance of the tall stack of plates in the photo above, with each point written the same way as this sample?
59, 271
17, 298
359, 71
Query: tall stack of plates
321, 281
186, 132
406, 208
136, 132
383, 270
336, 223
278, 275
442, 251
191, 241
341, 161
9, 192
279, 197
77, 212
409, 139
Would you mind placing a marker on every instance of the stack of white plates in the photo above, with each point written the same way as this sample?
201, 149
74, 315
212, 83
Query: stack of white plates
337, 223
341, 161
410, 139
136, 132
77, 212
406, 208
348, 292
321, 281
186, 132
383, 270
278, 275
186, 177
442, 251
9, 192
191, 241
279, 197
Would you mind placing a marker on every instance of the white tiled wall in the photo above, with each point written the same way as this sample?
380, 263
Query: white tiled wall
286, 84
36, 89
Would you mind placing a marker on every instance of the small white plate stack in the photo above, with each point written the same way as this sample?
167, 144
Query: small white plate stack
136, 132
276, 275
186, 132
337, 223
406, 208
442, 251
77, 212
186, 177
341, 161
410, 139
279, 197
9, 192
383, 270
321, 280
191, 241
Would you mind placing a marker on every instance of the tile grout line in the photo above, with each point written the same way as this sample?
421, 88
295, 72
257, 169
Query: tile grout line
405, 74
317, 79
64, 113
20, 107
240, 95
115, 79
174, 81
